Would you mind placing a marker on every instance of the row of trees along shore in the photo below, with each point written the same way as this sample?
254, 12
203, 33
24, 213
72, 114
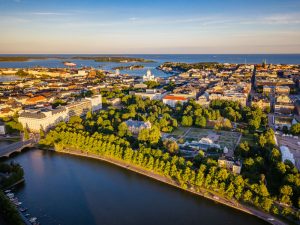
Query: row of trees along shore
265, 182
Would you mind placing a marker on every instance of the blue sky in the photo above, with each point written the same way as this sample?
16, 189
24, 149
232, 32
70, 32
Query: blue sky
115, 26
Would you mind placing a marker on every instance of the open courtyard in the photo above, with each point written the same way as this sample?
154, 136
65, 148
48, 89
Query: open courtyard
223, 138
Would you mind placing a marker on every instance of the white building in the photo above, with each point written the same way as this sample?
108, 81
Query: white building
229, 163
172, 100
149, 77
82, 73
152, 94
286, 154
36, 119
96, 101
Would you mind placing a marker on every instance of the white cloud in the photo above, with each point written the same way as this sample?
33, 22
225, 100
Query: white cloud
133, 19
276, 19
50, 14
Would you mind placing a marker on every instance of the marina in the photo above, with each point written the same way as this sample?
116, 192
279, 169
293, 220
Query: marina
27, 219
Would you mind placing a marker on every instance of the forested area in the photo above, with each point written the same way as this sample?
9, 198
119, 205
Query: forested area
265, 182
9, 175
12, 173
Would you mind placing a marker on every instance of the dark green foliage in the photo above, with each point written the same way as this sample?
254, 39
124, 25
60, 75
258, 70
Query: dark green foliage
9, 211
14, 171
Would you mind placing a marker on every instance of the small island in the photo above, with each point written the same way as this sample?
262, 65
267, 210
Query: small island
131, 67
172, 67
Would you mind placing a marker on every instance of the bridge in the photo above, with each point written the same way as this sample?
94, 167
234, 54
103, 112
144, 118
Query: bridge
6, 151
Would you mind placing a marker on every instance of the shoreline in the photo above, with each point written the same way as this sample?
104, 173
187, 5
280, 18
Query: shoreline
16, 183
202, 193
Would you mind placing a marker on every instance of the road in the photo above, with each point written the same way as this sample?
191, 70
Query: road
8, 149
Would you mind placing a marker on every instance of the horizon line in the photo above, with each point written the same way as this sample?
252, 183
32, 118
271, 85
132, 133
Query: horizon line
150, 53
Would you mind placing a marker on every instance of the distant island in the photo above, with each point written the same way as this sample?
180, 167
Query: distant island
117, 59
23, 58
130, 67
171, 67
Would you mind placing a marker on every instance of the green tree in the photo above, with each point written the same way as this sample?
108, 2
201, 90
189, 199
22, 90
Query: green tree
286, 191
200, 121
26, 134
187, 121
42, 133
171, 146
123, 129
295, 129
247, 197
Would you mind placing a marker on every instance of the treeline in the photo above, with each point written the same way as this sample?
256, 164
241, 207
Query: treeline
8, 211
183, 67
263, 163
14, 173
209, 177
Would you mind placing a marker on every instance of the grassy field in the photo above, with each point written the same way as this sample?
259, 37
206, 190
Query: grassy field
223, 138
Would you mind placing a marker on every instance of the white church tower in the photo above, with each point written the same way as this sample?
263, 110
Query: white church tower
149, 76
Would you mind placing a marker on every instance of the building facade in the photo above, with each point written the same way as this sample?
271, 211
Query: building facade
36, 119
173, 100
230, 164
135, 126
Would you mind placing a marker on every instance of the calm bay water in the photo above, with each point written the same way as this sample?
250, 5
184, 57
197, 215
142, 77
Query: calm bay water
69, 190
159, 59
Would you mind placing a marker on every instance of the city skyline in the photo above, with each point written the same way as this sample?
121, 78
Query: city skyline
137, 27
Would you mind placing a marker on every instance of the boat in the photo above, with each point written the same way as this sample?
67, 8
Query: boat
18, 203
23, 209
7, 191
69, 64
27, 215
32, 219
10, 195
